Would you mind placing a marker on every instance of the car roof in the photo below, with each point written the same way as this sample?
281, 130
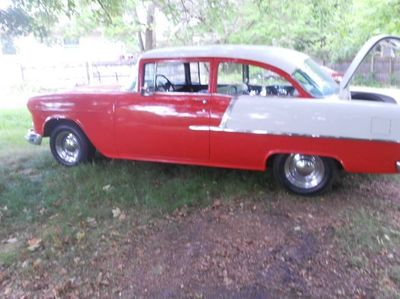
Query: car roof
285, 59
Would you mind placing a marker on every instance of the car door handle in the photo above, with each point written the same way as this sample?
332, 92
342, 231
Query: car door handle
204, 101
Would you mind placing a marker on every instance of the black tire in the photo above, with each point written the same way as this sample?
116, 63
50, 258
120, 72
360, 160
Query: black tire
70, 146
305, 174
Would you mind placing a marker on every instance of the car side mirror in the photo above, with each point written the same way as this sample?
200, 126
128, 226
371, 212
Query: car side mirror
146, 91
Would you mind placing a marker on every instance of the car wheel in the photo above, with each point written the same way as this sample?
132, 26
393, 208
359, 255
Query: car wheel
304, 174
70, 146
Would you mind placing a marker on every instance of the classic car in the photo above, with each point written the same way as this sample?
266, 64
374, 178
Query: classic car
233, 106
336, 76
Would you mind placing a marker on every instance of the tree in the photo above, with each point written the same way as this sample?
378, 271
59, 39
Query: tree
133, 28
328, 30
40, 17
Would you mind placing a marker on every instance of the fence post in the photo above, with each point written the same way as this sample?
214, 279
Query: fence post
390, 70
88, 71
371, 69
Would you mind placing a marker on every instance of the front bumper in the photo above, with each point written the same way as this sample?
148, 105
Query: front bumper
33, 137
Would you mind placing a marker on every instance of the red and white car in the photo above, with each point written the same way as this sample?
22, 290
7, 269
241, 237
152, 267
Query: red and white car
245, 107
336, 76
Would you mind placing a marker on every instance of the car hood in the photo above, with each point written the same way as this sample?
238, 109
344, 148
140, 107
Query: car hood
368, 46
99, 88
75, 98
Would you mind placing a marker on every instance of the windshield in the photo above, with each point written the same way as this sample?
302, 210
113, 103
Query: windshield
315, 80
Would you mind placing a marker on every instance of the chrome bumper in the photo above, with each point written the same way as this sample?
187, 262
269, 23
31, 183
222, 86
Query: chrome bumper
398, 166
33, 138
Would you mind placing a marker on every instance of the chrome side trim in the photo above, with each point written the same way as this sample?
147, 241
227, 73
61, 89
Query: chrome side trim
33, 137
227, 113
265, 132
398, 166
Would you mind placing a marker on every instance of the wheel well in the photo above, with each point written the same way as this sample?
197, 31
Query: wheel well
53, 123
271, 158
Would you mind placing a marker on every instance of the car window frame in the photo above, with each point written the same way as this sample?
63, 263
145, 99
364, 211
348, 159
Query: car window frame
143, 62
302, 93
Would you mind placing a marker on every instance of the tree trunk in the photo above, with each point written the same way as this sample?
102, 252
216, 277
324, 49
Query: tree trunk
149, 32
141, 45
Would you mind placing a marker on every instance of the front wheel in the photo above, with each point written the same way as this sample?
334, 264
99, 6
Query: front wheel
69, 145
304, 174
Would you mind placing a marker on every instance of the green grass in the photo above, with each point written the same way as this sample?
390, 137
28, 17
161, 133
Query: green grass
367, 231
8, 257
33, 185
14, 124
86, 190
40, 198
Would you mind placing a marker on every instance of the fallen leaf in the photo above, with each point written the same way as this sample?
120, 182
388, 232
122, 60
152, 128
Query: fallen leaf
80, 235
107, 188
227, 280
58, 202
122, 217
2, 276
216, 204
91, 221
37, 262
7, 291
12, 240
116, 212
34, 244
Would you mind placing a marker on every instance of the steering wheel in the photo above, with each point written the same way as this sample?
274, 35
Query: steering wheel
166, 86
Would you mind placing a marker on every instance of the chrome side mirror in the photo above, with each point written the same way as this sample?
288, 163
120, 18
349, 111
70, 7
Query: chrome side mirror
146, 91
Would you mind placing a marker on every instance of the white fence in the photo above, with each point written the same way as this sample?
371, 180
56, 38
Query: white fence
67, 75
375, 71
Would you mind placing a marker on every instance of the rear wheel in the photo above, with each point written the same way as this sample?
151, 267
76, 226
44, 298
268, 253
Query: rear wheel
70, 146
304, 174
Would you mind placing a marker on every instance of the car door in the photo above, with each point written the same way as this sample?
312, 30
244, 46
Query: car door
235, 81
157, 123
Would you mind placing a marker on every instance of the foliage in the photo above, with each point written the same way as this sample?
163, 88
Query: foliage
329, 30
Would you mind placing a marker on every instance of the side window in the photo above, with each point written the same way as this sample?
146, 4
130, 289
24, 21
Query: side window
239, 79
177, 76
199, 73
172, 72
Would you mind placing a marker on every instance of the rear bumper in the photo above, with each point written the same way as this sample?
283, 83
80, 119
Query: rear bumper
33, 137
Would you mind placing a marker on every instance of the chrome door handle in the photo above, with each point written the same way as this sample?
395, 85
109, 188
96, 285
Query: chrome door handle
204, 101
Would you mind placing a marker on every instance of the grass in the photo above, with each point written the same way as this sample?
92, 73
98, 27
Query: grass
34, 186
41, 199
368, 231
81, 191
13, 125
7, 258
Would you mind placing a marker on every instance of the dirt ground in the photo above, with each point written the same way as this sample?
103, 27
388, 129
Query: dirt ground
279, 246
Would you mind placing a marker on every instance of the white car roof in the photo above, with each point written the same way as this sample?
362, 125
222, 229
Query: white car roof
285, 59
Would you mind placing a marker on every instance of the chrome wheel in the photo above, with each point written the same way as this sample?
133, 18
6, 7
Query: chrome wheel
303, 171
67, 147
